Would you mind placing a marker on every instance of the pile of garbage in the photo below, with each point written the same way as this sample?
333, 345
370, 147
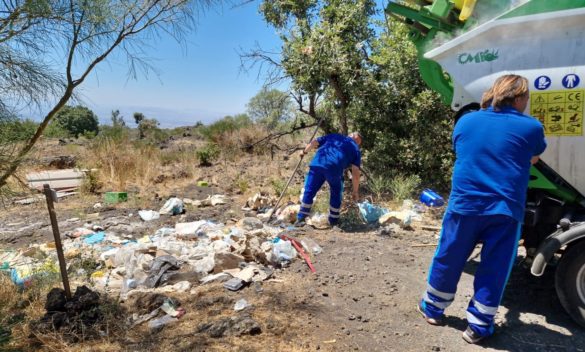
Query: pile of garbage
171, 259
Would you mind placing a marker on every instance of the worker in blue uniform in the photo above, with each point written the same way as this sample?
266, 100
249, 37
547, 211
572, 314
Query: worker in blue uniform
335, 153
494, 149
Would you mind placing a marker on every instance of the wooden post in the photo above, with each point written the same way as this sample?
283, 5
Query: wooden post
51, 196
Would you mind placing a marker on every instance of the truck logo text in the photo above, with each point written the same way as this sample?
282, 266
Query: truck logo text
482, 56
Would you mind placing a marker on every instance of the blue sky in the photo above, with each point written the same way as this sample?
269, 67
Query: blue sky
199, 81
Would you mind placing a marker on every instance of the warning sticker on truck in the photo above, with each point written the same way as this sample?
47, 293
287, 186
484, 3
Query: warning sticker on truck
560, 111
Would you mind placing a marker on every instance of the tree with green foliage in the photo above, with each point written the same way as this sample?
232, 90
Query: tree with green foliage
138, 117
85, 33
147, 126
77, 120
324, 53
340, 68
406, 127
117, 119
270, 107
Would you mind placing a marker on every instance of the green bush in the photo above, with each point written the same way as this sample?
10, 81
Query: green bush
406, 127
54, 130
116, 133
403, 187
16, 130
77, 120
207, 154
214, 131
379, 185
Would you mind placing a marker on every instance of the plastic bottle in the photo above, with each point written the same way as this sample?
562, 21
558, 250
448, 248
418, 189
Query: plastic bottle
430, 198
161, 322
311, 246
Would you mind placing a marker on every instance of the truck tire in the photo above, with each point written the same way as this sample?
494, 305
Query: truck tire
570, 282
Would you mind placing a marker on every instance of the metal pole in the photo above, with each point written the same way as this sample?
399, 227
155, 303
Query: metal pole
51, 197
293, 174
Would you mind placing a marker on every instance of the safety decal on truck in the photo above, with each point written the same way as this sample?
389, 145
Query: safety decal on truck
560, 111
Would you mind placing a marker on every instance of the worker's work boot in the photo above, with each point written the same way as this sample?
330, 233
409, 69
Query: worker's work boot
471, 336
432, 321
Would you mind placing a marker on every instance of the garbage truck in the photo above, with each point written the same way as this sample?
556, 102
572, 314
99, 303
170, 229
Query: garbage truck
463, 46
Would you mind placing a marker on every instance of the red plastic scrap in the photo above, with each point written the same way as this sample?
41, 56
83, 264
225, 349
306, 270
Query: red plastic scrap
299, 249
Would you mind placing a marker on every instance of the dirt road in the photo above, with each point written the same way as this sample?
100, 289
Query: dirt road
364, 295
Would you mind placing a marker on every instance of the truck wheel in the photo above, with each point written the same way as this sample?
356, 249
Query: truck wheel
570, 282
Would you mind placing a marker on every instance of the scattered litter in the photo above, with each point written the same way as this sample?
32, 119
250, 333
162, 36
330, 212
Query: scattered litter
283, 251
259, 201
402, 218
159, 268
161, 322
319, 221
95, 238
148, 215
311, 246
234, 284
202, 183
241, 304
169, 308
370, 212
289, 213
431, 198
218, 199
173, 206
215, 277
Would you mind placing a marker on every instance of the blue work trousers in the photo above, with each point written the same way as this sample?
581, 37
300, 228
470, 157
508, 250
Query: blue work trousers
313, 182
499, 235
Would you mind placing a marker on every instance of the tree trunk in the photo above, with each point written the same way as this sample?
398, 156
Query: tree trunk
11, 169
343, 102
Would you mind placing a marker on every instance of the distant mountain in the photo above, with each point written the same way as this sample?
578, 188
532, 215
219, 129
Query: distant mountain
168, 118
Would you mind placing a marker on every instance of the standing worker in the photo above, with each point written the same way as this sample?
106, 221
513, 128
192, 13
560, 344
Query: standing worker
334, 154
494, 149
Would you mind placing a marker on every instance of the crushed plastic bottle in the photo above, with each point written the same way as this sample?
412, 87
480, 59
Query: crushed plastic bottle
159, 323
311, 246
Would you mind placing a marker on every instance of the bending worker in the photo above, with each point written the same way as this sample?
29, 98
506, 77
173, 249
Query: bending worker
494, 149
334, 154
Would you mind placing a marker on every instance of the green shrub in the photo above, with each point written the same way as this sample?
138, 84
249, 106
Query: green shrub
214, 131
403, 187
16, 130
207, 154
54, 130
77, 120
379, 185
116, 133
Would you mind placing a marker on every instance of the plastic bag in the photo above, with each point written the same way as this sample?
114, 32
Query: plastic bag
173, 206
371, 213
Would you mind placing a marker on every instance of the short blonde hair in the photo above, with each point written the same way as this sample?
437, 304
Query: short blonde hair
505, 89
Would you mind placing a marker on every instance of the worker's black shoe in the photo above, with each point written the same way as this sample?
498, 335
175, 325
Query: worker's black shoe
432, 321
471, 336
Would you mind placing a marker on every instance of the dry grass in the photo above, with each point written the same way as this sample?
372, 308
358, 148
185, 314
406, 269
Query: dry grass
121, 163
20, 309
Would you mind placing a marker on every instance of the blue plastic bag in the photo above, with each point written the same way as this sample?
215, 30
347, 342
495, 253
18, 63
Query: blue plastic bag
371, 213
